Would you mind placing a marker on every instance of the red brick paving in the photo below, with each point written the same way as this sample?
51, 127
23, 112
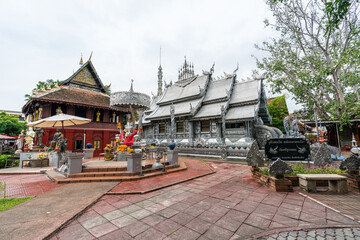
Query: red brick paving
196, 168
224, 205
18, 186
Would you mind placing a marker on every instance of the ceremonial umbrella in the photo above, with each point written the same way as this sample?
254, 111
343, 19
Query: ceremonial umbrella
60, 120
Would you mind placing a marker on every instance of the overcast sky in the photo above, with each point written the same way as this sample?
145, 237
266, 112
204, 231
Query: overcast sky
43, 40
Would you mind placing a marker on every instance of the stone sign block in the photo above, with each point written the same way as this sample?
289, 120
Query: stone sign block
287, 149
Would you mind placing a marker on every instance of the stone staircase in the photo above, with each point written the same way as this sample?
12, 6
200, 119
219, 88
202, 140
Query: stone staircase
112, 174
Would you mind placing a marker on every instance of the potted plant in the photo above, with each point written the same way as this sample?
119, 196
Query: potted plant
121, 153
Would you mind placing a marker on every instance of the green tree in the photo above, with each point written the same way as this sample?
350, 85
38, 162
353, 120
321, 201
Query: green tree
10, 125
43, 86
278, 110
336, 11
317, 66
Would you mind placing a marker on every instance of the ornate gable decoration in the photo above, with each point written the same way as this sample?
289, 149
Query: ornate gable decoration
86, 77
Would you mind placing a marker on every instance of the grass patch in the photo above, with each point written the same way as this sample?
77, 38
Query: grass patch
10, 202
300, 168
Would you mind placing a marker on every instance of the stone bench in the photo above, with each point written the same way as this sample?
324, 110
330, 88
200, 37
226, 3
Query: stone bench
336, 182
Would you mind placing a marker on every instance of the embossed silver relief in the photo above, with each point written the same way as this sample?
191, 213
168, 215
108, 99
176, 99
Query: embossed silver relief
173, 123
223, 124
197, 127
191, 131
213, 127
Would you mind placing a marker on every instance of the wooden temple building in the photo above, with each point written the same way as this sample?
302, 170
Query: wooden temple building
82, 94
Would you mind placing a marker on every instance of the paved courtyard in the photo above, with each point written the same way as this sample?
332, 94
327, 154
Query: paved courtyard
224, 205
27, 185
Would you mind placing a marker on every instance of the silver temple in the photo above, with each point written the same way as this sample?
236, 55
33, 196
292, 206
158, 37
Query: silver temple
208, 111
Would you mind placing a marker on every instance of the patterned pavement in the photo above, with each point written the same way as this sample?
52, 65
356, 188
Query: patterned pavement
195, 169
27, 185
224, 205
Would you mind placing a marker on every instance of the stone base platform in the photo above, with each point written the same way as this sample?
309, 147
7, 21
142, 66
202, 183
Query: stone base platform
114, 173
278, 185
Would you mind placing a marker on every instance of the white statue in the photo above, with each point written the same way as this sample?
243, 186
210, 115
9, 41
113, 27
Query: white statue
20, 141
58, 111
40, 112
30, 134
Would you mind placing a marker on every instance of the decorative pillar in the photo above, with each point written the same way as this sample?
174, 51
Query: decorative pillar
172, 123
223, 123
191, 132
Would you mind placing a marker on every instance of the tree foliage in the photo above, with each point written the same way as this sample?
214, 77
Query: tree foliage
336, 11
108, 89
42, 87
317, 66
278, 110
10, 125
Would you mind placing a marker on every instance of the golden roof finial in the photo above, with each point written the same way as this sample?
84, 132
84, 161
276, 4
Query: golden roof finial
81, 60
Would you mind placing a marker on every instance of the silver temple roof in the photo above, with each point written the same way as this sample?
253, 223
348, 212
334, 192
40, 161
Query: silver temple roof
245, 91
210, 110
202, 98
242, 112
184, 89
182, 108
217, 89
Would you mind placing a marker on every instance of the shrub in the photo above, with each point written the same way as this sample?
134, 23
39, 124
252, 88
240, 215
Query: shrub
6, 156
301, 168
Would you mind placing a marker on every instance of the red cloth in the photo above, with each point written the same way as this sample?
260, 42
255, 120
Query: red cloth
129, 141
121, 136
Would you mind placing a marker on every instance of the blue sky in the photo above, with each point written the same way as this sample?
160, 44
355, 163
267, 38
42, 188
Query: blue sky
43, 40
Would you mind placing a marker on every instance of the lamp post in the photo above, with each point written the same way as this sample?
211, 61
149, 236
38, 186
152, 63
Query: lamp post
316, 124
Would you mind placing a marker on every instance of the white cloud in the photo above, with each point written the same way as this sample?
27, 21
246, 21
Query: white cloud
43, 40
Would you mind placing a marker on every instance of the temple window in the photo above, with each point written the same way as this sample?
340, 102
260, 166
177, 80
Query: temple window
162, 128
55, 108
97, 144
205, 126
112, 140
234, 125
180, 127
80, 111
79, 144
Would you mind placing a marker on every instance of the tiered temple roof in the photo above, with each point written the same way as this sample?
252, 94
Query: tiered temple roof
202, 97
83, 88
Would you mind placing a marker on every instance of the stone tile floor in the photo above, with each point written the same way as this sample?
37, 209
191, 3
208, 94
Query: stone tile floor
342, 202
225, 205
195, 169
26, 185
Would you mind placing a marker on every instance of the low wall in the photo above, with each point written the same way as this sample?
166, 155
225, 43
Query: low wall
216, 151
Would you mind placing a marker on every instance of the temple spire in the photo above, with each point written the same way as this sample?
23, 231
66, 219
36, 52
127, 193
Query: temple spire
160, 76
131, 87
81, 61
186, 71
